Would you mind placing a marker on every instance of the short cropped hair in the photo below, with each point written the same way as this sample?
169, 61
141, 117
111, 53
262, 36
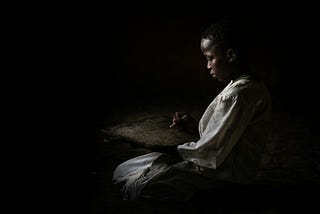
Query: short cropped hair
225, 34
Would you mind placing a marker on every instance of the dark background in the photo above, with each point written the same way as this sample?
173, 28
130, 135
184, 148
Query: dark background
70, 68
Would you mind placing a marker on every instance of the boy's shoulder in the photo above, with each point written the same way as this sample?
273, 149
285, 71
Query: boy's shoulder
245, 87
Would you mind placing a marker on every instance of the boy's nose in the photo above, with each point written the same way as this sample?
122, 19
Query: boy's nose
208, 65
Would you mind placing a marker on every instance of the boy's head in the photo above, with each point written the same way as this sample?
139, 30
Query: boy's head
222, 43
225, 34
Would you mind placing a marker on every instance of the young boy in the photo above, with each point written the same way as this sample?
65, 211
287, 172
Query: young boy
232, 130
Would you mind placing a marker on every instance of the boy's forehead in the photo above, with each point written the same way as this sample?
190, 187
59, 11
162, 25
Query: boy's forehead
206, 44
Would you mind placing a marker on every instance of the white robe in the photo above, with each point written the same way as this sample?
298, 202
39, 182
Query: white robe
233, 131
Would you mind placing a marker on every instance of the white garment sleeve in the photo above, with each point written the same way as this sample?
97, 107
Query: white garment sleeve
224, 124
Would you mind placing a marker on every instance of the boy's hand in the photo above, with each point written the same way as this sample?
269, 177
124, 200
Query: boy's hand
185, 122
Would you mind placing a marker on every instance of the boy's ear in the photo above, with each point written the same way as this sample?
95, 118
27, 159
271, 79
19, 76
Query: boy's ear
232, 55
